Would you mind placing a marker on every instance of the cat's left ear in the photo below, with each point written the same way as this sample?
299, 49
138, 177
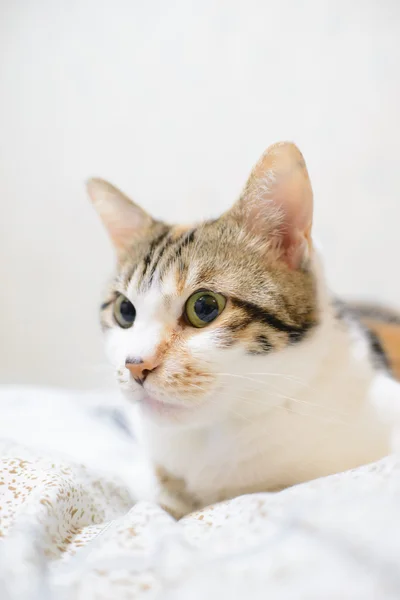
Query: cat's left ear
277, 204
122, 218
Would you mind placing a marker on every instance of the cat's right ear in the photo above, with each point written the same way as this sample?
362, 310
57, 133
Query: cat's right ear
122, 218
276, 205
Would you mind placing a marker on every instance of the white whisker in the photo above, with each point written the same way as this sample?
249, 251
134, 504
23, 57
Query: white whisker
277, 392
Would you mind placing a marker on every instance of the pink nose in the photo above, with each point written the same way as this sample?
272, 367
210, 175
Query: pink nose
140, 368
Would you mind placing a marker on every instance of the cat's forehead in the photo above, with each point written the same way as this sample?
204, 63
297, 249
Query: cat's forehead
174, 261
158, 263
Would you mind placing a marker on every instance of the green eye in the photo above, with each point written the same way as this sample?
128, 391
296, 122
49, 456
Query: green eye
203, 307
124, 312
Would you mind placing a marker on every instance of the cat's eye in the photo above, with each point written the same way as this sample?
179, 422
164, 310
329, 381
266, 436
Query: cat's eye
124, 312
204, 307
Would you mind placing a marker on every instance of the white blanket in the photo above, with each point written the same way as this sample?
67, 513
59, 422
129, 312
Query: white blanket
73, 532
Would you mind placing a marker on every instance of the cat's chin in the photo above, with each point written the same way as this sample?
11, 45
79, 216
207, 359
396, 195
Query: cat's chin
168, 410
164, 410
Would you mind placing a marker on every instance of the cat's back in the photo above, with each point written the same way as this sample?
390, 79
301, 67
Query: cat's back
382, 326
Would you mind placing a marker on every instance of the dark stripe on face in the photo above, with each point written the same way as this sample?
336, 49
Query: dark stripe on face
257, 313
183, 241
154, 244
168, 242
239, 325
187, 241
264, 344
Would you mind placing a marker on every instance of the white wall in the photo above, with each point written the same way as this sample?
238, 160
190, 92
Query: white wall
174, 102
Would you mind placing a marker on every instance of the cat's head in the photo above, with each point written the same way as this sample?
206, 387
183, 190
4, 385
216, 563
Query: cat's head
194, 312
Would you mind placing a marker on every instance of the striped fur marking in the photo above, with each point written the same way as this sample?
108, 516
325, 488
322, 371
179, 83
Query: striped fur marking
256, 313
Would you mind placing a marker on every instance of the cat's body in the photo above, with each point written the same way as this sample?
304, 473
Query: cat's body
248, 376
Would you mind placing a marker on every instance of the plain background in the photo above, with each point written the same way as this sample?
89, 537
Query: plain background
174, 102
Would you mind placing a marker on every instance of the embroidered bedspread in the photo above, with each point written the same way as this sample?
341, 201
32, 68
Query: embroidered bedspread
72, 531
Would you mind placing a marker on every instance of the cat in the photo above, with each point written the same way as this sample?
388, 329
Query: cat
248, 375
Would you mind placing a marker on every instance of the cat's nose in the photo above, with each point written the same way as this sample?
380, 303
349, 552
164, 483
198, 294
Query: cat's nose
140, 368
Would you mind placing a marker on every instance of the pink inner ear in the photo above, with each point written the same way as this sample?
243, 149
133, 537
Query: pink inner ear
296, 249
278, 202
121, 217
122, 235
